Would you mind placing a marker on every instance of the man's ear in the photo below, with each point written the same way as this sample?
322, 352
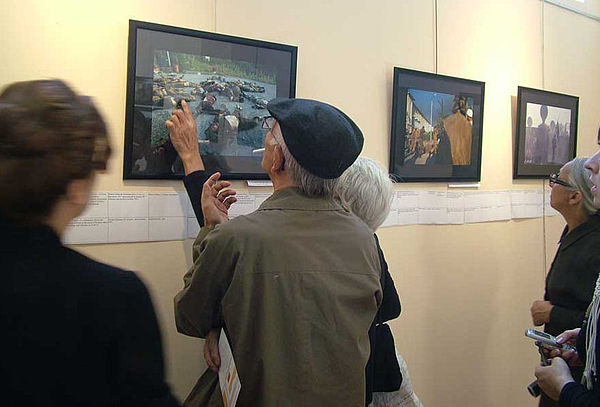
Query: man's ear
278, 159
78, 191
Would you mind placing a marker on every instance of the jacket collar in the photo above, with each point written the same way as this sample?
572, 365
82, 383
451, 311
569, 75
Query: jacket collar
292, 198
12, 235
567, 239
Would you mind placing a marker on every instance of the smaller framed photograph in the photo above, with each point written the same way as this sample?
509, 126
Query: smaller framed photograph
436, 128
546, 136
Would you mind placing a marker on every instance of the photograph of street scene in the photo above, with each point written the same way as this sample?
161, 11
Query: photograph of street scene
438, 128
228, 100
547, 134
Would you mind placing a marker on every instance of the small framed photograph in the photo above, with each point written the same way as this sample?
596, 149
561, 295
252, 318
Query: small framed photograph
436, 128
226, 81
546, 136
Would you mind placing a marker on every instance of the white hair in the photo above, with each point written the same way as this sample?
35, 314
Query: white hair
365, 189
309, 184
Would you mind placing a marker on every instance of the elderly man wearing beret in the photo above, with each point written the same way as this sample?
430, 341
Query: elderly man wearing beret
295, 284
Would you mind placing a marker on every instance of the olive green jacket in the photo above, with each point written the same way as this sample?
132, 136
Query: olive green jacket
296, 285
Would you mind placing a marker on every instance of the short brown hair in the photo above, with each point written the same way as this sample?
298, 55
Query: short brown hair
49, 136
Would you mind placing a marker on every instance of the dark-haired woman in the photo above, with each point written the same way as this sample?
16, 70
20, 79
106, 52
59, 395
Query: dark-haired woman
75, 332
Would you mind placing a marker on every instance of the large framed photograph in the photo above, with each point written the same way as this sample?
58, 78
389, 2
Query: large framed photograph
227, 82
546, 136
436, 127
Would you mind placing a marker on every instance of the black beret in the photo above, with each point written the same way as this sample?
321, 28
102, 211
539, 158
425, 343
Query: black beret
321, 137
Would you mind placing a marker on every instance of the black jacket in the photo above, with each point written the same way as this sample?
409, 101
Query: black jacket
193, 185
389, 309
572, 277
575, 394
570, 287
571, 281
75, 332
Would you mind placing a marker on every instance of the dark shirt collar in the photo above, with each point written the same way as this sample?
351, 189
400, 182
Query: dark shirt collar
12, 236
292, 198
591, 225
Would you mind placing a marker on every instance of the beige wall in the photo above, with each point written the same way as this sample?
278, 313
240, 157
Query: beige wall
465, 290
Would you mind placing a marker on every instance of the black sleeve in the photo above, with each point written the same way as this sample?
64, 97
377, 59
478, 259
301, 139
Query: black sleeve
577, 395
561, 316
139, 360
390, 304
571, 317
193, 185
546, 295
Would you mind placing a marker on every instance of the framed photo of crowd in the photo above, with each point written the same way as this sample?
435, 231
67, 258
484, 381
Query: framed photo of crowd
546, 135
436, 127
226, 81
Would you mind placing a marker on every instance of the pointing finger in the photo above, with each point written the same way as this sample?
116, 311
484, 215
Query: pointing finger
186, 107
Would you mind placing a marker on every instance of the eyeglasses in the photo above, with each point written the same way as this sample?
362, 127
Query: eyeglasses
553, 178
268, 122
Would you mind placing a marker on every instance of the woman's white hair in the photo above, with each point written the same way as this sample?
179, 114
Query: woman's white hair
579, 177
309, 184
365, 189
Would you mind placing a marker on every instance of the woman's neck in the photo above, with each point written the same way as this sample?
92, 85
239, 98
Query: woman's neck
575, 219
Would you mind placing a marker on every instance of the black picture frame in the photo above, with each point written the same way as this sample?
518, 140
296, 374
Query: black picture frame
227, 81
541, 148
437, 127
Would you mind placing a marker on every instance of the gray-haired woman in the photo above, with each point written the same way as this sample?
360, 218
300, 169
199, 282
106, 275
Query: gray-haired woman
366, 190
571, 280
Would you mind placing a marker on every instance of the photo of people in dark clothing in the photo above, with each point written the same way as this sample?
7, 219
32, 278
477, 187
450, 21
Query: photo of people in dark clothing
547, 134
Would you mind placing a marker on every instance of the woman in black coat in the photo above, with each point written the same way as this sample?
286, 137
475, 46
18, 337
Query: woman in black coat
366, 190
556, 380
75, 332
572, 277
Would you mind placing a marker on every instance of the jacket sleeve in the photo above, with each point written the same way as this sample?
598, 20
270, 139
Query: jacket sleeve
139, 360
561, 316
198, 305
577, 395
193, 185
572, 317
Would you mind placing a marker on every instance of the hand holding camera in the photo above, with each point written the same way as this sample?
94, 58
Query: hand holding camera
552, 378
551, 347
562, 346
